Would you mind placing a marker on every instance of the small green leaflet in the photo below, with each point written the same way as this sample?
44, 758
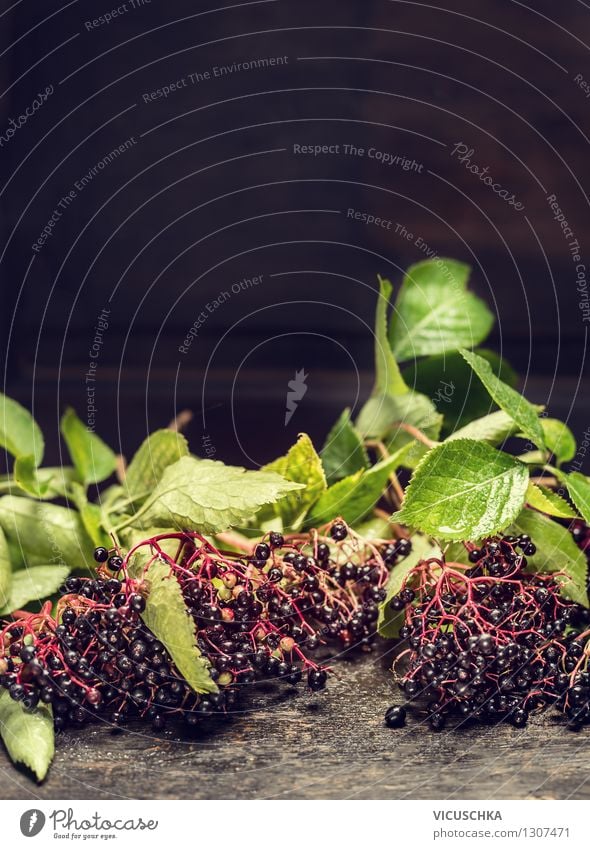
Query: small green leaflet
354, 497
19, 432
508, 399
455, 552
28, 735
435, 313
559, 439
156, 453
33, 584
378, 417
343, 452
209, 496
167, 617
27, 477
375, 528
493, 428
45, 533
301, 465
90, 514
547, 501
5, 570
390, 621
48, 482
93, 459
556, 552
464, 489
447, 379
578, 487
388, 378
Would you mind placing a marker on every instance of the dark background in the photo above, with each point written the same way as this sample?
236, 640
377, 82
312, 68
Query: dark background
211, 192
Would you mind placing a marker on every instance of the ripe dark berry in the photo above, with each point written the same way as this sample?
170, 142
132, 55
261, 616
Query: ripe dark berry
276, 539
101, 554
275, 575
519, 718
262, 551
137, 603
338, 531
316, 679
403, 547
436, 721
27, 653
395, 716
115, 563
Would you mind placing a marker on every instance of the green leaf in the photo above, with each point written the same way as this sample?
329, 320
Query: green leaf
448, 381
388, 378
556, 552
28, 735
493, 429
464, 490
33, 584
19, 432
45, 533
547, 501
455, 552
166, 615
160, 450
301, 465
210, 496
374, 528
578, 487
533, 458
27, 478
435, 313
93, 459
343, 452
55, 482
559, 439
380, 415
390, 621
5, 570
91, 516
508, 399
355, 496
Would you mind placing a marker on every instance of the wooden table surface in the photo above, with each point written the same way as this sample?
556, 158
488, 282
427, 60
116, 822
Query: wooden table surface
290, 744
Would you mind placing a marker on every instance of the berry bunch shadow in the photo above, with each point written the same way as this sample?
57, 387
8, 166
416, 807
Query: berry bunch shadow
490, 641
256, 617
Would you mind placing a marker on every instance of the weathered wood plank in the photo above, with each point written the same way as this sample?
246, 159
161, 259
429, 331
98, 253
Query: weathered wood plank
298, 746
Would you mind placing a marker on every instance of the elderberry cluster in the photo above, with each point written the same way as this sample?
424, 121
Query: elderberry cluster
490, 641
99, 661
261, 615
257, 616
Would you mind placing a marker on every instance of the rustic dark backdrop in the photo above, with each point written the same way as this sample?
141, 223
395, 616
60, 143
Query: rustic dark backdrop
209, 190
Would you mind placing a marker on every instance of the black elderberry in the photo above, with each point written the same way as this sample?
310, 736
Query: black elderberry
27, 653
276, 539
262, 551
101, 554
404, 547
437, 721
316, 679
395, 716
323, 552
338, 531
137, 603
115, 563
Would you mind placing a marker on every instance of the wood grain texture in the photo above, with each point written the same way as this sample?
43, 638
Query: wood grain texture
291, 745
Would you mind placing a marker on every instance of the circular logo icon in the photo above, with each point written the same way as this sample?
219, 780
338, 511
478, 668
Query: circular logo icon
32, 822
